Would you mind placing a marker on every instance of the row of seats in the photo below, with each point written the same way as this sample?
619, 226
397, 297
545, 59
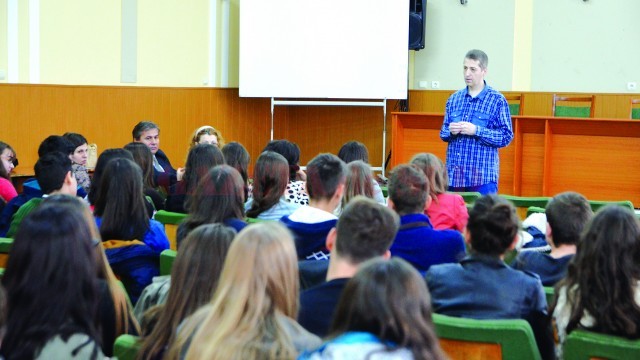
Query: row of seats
487, 339
570, 106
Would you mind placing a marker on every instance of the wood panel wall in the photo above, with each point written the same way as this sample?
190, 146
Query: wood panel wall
106, 115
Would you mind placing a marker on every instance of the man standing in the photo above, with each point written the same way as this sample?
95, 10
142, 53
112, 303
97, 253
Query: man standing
476, 123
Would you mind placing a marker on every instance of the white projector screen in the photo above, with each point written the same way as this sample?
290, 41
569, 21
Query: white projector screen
352, 49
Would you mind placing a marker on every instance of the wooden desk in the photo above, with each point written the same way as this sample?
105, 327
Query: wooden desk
599, 158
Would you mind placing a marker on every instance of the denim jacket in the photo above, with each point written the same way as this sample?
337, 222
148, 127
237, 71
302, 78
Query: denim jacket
484, 287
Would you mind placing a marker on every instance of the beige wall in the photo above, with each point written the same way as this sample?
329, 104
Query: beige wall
533, 45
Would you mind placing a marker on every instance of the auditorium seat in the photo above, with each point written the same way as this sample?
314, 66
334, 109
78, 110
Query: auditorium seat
5, 247
635, 109
573, 106
516, 103
126, 347
167, 257
585, 345
486, 339
170, 220
469, 197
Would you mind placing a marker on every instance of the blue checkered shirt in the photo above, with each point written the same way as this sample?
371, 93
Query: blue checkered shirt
473, 160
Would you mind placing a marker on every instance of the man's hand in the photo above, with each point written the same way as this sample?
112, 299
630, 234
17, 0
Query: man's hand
180, 173
462, 127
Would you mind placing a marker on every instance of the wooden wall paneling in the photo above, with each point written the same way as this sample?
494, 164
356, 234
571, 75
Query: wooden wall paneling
415, 133
546, 170
595, 160
533, 148
428, 100
517, 157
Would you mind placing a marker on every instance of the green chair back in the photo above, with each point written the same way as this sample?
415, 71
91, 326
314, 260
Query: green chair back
167, 257
584, 345
597, 204
5, 248
550, 294
523, 203
469, 197
126, 347
254, 220
506, 339
573, 111
635, 113
170, 220
514, 109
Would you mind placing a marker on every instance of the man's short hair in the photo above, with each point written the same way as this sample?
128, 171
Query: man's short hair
55, 143
567, 214
51, 170
325, 173
408, 189
141, 127
478, 55
365, 230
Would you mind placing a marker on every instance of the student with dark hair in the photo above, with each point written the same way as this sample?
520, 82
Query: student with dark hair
601, 292
384, 312
144, 158
103, 160
326, 177
364, 231
7, 163
200, 160
79, 158
238, 158
148, 133
567, 214
54, 174
482, 286
417, 241
132, 240
52, 288
55, 143
295, 191
270, 179
195, 276
353, 151
114, 313
218, 198
447, 210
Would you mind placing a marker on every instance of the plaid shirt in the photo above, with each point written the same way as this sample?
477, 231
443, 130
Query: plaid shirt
473, 160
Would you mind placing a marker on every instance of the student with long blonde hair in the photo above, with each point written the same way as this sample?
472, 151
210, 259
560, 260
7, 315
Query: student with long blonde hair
252, 312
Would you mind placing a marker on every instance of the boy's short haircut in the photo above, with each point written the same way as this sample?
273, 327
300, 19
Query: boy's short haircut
567, 214
325, 173
365, 230
408, 189
51, 170
55, 143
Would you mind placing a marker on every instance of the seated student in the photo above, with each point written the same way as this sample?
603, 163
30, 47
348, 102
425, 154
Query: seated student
52, 288
79, 159
7, 163
206, 135
270, 179
236, 156
358, 183
295, 192
364, 231
482, 286
218, 198
252, 312
310, 225
601, 292
195, 277
144, 158
55, 176
417, 241
567, 215
148, 133
122, 216
447, 210
353, 151
114, 312
31, 188
384, 313
201, 159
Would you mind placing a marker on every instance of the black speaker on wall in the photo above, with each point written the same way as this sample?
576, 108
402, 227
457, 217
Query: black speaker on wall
417, 16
